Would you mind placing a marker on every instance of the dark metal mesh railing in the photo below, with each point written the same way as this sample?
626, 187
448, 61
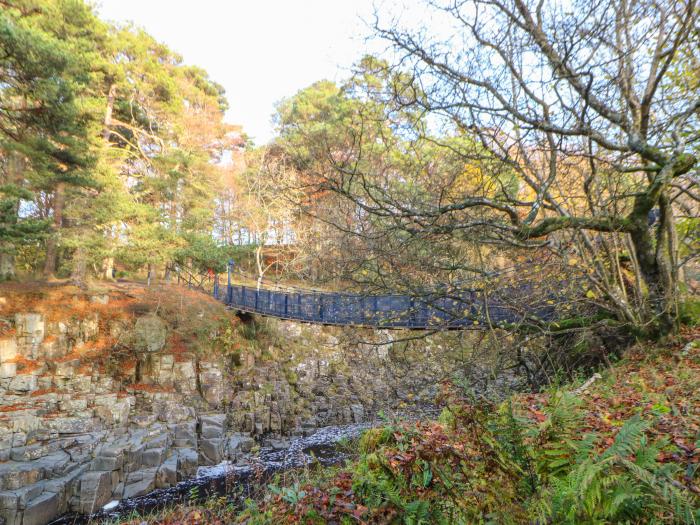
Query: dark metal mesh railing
468, 309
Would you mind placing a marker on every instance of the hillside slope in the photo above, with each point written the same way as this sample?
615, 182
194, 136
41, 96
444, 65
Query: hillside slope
620, 447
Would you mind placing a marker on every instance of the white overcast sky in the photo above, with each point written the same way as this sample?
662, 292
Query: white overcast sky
259, 50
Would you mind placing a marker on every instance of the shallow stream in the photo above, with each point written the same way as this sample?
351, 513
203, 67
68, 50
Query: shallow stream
231, 480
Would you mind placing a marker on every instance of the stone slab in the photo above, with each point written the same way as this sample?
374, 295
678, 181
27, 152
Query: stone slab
42, 509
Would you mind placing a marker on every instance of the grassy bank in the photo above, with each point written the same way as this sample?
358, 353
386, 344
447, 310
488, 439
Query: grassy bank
621, 448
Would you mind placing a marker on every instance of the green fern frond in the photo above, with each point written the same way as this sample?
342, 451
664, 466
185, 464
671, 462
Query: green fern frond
627, 439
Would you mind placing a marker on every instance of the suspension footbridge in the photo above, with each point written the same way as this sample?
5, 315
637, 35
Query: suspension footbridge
459, 309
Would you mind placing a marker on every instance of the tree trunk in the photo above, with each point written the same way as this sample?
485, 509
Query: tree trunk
666, 255
108, 262
152, 273
111, 95
657, 269
52, 242
259, 264
79, 274
14, 175
7, 264
108, 268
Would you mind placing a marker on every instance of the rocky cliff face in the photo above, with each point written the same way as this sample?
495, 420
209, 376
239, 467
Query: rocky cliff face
109, 396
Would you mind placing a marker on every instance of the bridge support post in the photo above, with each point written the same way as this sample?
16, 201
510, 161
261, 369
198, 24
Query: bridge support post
229, 288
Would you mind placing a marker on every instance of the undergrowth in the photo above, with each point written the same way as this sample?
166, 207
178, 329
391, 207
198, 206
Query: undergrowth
624, 450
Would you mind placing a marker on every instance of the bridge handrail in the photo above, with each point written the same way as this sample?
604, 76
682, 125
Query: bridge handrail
468, 308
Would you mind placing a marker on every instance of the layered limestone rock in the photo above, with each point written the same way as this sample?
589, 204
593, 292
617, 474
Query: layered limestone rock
104, 401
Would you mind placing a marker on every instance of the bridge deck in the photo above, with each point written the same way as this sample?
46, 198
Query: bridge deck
468, 309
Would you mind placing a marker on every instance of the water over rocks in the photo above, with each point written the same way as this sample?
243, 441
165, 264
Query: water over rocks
320, 447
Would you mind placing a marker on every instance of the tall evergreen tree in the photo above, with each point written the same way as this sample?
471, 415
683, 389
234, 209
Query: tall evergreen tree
44, 126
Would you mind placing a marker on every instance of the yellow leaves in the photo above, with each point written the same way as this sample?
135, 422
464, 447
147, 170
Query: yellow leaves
591, 294
572, 261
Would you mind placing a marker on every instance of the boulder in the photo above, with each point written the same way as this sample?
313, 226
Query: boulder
240, 442
35, 451
211, 451
9, 500
10, 517
73, 404
66, 486
23, 383
8, 370
172, 412
277, 444
133, 460
185, 376
54, 464
30, 327
115, 412
167, 473
53, 349
212, 431
153, 457
212, 385
72, 425
215, 420
162, 440
140, 482
107, 463
90, 327
187, 462
95, 490
18, 499
8, 349
66, 369
165, 371
184, 434
149, 333
42, 509
358, 413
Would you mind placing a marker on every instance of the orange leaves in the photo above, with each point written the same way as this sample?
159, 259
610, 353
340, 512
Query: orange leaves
538, 415
333, 503
198, 516
143, 387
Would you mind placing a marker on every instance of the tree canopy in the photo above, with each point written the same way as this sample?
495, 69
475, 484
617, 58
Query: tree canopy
110, 145
517, 133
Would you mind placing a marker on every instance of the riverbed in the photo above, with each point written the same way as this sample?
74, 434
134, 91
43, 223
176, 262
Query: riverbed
233, 480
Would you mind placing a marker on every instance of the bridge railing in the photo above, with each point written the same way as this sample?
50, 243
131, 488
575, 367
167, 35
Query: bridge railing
470, 309
459, 309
